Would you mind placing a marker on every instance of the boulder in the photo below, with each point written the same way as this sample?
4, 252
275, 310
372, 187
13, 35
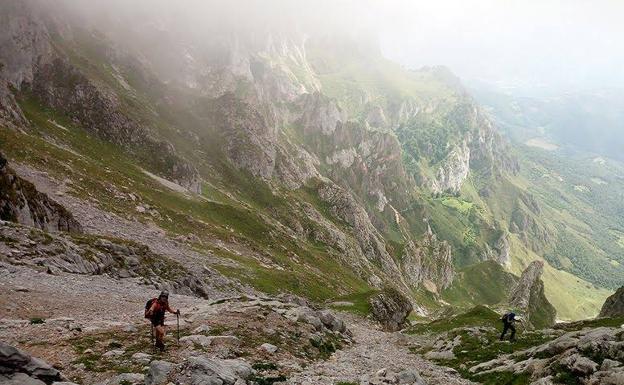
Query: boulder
20, 379
331, 322
125, 379
13, 361
142, 358
306, 315
158, 372
204, 370
410, 376
390, 308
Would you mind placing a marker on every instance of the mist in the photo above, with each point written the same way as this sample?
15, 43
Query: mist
534, 44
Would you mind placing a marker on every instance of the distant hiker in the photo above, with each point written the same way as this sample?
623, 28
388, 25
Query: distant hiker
155, 310
508, 324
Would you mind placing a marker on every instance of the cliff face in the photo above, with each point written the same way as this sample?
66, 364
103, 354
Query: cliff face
20, 202
528, 297
32, 64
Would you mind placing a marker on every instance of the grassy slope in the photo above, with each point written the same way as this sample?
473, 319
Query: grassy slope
100, 172
483, 283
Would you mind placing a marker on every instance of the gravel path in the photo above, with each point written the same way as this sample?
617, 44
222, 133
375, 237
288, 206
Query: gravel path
373, 350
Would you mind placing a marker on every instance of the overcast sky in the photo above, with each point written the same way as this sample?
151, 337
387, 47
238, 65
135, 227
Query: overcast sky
555, 42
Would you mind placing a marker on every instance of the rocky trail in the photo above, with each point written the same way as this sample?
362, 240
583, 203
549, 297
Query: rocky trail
280, 340
377, 357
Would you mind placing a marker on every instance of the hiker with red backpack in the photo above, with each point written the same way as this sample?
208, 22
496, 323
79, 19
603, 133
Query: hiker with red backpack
155, 310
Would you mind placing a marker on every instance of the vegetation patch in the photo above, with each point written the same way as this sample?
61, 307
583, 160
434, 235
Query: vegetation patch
477, 316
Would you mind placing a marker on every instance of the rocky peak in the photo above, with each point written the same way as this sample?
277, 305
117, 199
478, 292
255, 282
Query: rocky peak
528, 297
428, 263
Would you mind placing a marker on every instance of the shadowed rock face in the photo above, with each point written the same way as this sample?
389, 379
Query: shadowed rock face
528, 297
390, 308
614, 305
20, 368
20, 202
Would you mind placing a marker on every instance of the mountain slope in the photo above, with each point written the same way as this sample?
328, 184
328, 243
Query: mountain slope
310, 166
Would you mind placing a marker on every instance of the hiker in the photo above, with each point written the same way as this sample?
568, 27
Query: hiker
155, 311
508, 324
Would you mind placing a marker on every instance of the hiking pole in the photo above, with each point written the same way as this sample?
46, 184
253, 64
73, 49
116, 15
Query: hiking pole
152, 333
178, 317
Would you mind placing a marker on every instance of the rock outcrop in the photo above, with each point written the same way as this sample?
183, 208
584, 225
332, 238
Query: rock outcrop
453, 170
590, 356
18, 367
32, 64
92, 255
20, 202
428, 263
528, 297
614, 305
390, 308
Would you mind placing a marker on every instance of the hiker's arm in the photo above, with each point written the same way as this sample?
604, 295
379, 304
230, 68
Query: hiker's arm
170, 310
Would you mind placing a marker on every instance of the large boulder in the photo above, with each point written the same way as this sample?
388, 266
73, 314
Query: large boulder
614, 305
203, 370
16, 365
390, 308
158, 372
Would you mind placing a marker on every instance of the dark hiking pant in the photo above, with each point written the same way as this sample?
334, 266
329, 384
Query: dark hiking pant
508, 326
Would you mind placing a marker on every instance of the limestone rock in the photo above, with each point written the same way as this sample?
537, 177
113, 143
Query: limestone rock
528, 296
390, 308
141, 358
269, 348
203, 370
14, 361
158, 372
453, 170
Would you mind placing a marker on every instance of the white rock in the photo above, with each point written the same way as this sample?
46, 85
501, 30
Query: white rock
113, 353
141, 358
269, 348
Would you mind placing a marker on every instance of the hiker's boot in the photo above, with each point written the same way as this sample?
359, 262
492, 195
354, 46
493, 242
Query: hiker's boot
160, 346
